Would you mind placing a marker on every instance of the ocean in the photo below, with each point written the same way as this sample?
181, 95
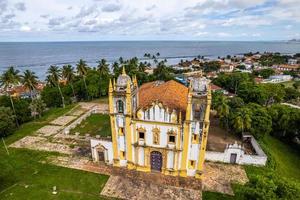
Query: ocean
38, 56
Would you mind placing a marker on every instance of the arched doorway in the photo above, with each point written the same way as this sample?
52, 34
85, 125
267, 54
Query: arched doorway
156, 161
101, 151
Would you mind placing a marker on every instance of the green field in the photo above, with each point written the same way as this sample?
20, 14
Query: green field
25, 174
96, 124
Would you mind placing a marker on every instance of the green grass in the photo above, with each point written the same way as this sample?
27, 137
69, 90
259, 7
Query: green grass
25, 174
96, 124
30, 127
284, 157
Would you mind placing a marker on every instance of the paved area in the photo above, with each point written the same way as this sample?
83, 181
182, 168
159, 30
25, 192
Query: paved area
218, 177
124, 188
42, 144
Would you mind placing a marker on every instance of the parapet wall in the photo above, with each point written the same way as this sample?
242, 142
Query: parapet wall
234, 153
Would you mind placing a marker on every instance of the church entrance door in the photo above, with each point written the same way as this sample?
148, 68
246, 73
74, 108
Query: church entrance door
156, 161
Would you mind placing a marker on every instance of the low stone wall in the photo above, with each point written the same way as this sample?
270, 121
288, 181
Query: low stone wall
241, 158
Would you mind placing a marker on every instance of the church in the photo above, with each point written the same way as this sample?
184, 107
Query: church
157, 127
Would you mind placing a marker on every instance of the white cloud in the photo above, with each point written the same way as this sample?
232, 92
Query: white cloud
155, 19
25, 28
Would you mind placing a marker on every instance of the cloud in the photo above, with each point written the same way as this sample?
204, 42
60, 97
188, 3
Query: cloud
25, 28
45, 16
151, 7
56, 21
208, 19
3, 6
20, 6
86, 11
111, 8
246, 21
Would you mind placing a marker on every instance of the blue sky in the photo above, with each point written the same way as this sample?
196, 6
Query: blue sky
89, 20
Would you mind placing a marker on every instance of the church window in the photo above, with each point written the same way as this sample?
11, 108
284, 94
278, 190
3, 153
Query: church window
171, 138
195, 139
192, 164
120, 106
141, 135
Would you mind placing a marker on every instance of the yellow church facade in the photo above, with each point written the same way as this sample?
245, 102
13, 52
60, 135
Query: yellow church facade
157, 127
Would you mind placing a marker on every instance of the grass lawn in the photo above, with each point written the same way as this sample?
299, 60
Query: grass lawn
30, 127
286, 159
96, 124
24, 174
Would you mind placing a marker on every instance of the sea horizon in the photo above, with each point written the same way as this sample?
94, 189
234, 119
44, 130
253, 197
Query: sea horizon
38, 56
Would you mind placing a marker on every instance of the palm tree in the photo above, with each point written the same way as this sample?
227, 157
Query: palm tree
116, 68
29, 81
8, 79
222, 108
82, 69
242, 119
69, 75
54, 75
121, 60
102, 68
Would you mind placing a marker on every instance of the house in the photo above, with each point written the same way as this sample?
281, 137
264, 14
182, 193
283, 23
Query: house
287, 67
278, 79
292, 61
226, 68
157, 127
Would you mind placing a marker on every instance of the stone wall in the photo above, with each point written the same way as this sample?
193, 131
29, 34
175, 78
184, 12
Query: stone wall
241, 158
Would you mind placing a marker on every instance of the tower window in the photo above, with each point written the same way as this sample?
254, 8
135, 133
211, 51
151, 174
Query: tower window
141, 135
192, 164
171, 138
120, 106
195, 138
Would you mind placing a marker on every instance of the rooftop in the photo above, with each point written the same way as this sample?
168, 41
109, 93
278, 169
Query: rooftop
171, 94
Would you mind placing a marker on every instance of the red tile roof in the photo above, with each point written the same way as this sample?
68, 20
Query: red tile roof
171, 94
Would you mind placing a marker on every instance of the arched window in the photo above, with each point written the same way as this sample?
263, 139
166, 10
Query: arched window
120, 106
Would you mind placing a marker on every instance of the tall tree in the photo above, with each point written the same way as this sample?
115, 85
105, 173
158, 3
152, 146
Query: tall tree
7, 126
30, 82
103, 71
102, 68
242, 120
82, 69
223, 109
116, 68
9, 79
54, 76
37, 107
69, 75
